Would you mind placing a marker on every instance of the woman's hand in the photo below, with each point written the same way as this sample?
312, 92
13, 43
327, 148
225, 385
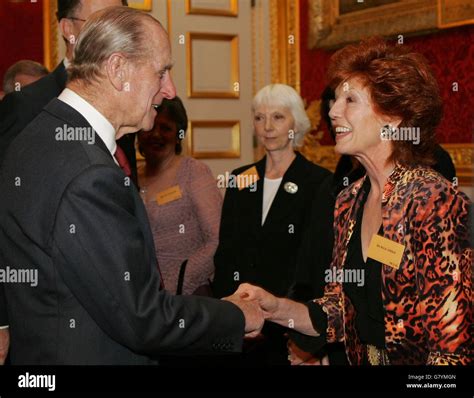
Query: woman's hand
267, 301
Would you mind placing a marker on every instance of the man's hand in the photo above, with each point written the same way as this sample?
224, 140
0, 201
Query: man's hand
254, 318
267, 301
4, 344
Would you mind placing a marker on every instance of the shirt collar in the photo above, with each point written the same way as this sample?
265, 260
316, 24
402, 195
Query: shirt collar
99, 123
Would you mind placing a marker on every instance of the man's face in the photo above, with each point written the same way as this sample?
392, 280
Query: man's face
82, 13
150, 82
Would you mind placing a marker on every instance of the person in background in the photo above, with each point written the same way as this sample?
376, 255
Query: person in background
265, 218
401, 290
182, 201
21, 74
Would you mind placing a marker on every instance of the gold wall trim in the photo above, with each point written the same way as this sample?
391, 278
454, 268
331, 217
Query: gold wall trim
463, 159
328, 29
234, 73
233, 10
232, 152
145, 5
453, 13
50, 34
285, 51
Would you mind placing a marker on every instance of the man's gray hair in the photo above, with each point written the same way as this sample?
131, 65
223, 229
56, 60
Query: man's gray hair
284, 96
112, 30
25, 67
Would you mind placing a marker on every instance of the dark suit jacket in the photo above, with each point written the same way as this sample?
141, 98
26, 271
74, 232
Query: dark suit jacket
18, 109
67, 213
266, 255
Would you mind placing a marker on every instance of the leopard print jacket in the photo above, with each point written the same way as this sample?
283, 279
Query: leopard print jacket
428, 299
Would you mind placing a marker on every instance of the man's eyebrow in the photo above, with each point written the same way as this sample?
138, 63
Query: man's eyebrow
168, 66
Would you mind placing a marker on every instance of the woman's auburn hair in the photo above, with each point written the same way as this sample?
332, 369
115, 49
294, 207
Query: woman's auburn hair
400, 84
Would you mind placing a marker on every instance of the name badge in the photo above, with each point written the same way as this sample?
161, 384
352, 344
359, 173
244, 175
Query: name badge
385, 251
247, 178
168, 195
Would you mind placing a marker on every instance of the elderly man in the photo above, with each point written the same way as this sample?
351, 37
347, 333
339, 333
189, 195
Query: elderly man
19, 108
70, 214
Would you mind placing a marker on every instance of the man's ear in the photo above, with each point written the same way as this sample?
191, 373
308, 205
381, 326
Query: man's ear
67, 30
117, 69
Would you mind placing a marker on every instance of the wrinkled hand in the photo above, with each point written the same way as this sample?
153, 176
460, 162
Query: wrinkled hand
4, 344
254, 317
267, 301
297, 356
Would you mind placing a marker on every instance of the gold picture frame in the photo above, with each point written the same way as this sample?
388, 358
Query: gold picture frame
234, 64
328, 29
453, 13
233, 10
144, 5
232, 152
50, 34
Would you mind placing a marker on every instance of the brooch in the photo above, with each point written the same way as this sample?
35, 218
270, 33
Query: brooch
290, 187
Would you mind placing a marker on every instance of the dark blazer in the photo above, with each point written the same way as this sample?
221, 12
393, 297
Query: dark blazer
271, 255
266, 255
18, 109
67, 213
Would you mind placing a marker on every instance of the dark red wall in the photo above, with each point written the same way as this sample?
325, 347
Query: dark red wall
451, 55
21, 32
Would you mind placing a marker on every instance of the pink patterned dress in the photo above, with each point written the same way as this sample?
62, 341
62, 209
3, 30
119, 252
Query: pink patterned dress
187, 228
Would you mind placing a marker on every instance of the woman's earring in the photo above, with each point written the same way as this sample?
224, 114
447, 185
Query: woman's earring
386, 132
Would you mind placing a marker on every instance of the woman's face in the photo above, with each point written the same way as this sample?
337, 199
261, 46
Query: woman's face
356, 125
160, 142
274, 127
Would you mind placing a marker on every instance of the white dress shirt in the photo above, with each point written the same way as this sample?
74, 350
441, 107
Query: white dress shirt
99, 123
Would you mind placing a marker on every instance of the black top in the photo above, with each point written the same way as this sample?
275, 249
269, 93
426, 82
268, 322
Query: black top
367, 296
367, 299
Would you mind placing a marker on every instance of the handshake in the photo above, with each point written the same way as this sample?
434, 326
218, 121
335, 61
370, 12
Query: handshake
257, 305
